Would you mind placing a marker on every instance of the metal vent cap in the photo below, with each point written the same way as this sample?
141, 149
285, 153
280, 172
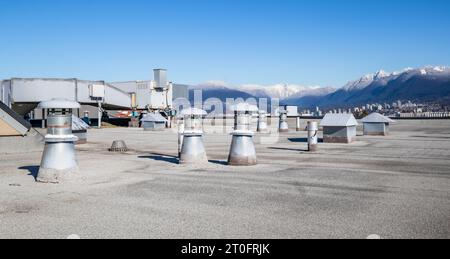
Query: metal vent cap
118, 146
59, 104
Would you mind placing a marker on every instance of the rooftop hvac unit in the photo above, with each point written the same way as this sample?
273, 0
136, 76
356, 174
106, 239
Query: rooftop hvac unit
160, 77
97, 92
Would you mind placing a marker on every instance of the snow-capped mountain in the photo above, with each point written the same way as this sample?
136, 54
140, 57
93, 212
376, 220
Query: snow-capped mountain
218, 90
383, 76
421, 84
430, 83
280, 91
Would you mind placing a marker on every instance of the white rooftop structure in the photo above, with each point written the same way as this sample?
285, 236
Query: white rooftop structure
59, 104
155, 117
338, 120
377, 118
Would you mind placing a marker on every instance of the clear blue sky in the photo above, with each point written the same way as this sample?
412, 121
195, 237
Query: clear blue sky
314, 42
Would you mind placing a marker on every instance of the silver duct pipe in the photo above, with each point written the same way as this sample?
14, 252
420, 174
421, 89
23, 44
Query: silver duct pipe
58, 160
299, 124
313, 138
180, 135
284, 127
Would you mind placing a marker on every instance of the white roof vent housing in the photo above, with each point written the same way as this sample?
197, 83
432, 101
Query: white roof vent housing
338, 120
377, 118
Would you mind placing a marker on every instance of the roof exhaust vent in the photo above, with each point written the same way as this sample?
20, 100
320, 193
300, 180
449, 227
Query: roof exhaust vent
118, 146
193, 149
242, 150
58, 160
376, 124
313, 139
284, 127
262, 121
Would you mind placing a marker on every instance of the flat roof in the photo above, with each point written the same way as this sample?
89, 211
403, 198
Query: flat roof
395, 187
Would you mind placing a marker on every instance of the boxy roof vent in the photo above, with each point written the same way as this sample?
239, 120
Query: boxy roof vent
338, 120
154, 117
377, 118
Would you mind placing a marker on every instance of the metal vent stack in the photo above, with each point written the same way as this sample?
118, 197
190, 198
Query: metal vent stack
58, 160
262, 121
284, 127
193, 149
242, 151
313, 138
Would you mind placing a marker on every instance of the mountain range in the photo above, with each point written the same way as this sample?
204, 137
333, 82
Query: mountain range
427, 84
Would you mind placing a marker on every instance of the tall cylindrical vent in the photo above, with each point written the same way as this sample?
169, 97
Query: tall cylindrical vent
284, 127
58, 160
313, 139
242, 150
192, 149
